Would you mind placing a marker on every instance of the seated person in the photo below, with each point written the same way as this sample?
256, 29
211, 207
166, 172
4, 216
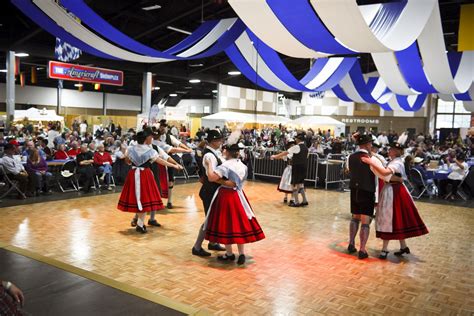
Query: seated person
75, 150
85, 167
459, 169
11, 299
37, 169
61, 153
103, 162
120, 167
14, 168
43, 147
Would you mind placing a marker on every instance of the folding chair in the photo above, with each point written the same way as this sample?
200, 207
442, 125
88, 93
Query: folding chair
10, 184
418, 181
459, 191
67, 174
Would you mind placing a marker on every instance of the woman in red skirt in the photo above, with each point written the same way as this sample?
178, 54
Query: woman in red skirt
397, 217
140, 193
231, 219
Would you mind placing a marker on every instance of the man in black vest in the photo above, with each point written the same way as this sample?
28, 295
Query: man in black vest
362, 184
299, 158
213, 156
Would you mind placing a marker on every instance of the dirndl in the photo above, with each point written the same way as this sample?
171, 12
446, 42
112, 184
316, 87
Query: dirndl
149, 194
228, 223
285, 182
163, 176
406, 221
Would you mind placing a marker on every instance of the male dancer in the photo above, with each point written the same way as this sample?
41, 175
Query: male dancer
362, 185
175, 146
212, 156
299, 157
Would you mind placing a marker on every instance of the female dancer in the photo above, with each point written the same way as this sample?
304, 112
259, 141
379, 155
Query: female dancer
397, 217
140, 193
230, 219
285, 182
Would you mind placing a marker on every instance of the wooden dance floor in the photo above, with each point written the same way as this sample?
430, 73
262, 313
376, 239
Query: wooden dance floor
300, 268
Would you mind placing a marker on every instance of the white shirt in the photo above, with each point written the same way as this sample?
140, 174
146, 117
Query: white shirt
294, 150
383, 140
82, 128
210, 158
174, 141
52, 134
12, 165
457, 173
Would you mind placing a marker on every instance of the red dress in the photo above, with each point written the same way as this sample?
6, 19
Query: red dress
149, 195
163, 174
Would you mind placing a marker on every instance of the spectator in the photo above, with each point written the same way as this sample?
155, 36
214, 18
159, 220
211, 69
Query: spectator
459, 170
83, 128
15, 169
37, 169
52, 134
75, 150
85, 167
11, 299
103, 162
61, 153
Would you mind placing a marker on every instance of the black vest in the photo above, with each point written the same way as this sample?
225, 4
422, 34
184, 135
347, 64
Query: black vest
168, 139
300, 158
208, 188
362, 177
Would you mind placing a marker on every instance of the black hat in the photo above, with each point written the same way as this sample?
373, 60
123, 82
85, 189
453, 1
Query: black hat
213, 134
396, 146
301, 135
362, 139
233, 147
163, 123
8, 147
376, 144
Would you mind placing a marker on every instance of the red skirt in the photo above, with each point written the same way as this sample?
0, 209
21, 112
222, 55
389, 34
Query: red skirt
163, 172
406, 221
149, 194
228, 223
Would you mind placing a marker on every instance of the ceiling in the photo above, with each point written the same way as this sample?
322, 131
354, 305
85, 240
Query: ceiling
20, 34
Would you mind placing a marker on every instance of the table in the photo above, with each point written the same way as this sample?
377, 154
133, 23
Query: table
57, 162
437, 174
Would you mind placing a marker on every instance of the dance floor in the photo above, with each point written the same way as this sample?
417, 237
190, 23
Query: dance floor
300, 268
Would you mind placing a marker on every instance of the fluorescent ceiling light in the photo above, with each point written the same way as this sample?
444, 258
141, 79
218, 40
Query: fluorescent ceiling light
173, 95
194, 81
234, 73
214, 91
39, 68
196, 65
156, 88
152, 7
3, 70
178, 30
162, 81
22, 54
78, 85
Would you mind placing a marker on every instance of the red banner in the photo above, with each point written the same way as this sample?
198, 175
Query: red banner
64, 71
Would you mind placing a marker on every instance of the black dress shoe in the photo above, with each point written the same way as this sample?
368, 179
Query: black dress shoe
216, 247
241, 260
293, 204
200, 253
133, 223
383, 255
154, 223
351, 248
226, 257
304, 204
363, 255
285, 200
402, 251
169, 206
141, 230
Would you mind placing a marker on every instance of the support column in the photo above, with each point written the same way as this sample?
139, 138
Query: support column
10, 86
104, 103
146, 93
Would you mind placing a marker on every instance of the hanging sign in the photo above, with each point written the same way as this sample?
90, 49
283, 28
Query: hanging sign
64, 71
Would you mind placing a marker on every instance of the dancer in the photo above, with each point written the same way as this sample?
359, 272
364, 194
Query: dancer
299, 157
285, 182
167, 138
362, 185
230, 219
211, 156
397, 216
140, 193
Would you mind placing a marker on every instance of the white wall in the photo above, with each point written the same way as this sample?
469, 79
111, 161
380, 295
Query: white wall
43, 96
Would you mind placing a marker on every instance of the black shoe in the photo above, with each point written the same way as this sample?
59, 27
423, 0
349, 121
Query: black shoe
402, 251
226, 257
200, 253
363, 255
216, 247
285, 200
133, 223
141, 229
383, 255
169, 206
351, 248
293, 204
241, 260
154, 223
304, 204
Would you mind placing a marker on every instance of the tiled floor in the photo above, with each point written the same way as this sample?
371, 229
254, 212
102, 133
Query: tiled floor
300, 268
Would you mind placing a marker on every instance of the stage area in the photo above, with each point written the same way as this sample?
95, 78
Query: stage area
300, 268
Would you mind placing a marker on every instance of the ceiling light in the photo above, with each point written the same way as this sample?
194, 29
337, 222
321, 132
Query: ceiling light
178, 30
188, 87
152, 7
39, 68
78, 85
234, 73
3, 70
162, 81
194, 81
173, 95
196, 65
156, 88
214, 91
22, 54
